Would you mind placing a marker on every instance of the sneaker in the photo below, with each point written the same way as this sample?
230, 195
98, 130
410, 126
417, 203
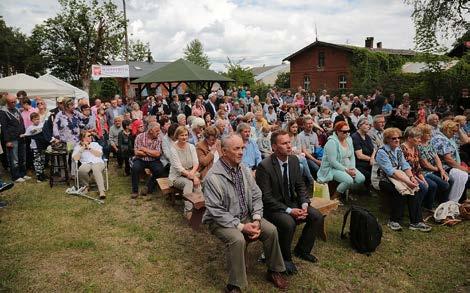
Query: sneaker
395, 226
20, 180
134, 195
26, 177
421, 226
6, 186
3, 204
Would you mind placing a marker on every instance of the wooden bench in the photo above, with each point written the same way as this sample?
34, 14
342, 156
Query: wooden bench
168, 191
324, 206
197, 199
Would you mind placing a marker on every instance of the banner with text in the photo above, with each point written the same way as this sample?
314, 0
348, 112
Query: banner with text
98, 71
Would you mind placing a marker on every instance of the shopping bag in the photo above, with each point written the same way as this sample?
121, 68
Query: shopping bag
321, 190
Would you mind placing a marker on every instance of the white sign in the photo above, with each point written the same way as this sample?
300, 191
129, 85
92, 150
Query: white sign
98, 71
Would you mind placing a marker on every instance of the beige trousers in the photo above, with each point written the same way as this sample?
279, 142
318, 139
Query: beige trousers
235, 244
97, 170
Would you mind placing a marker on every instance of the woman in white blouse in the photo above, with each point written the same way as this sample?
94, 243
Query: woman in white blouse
184, 166
89, 154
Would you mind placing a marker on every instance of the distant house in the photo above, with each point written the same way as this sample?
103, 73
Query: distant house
323, 65
268, 74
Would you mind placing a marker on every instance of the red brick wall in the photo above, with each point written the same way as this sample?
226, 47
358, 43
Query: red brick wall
336, 63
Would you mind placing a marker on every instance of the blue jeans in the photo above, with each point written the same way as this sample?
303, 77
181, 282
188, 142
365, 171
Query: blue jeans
16, 159
442, 190
313, 167
304, 168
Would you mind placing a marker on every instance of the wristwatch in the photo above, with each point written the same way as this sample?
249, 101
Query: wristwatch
259, 222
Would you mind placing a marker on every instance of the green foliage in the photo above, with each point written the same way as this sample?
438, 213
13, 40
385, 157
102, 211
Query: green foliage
138, 51
18, 53
437, 21
242, 75
261, 90
283, 80
109, 88
370, 68
194, 52
82, 34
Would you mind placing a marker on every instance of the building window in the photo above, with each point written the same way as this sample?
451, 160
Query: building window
321, 59
307, 83
342, 81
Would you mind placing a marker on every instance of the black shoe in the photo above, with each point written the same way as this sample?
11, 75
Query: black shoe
290, 267
6, 186
3, 204
232, 289
306, 256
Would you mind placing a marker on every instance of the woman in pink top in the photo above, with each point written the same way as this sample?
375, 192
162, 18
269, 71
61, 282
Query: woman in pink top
198, 109
299, 101
27, 110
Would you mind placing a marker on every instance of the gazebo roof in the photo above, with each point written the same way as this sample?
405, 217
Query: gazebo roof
181, 71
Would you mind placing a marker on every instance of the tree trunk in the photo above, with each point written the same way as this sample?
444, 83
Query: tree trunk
86, 84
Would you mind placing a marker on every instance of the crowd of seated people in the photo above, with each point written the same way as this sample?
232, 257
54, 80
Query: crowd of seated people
416, 157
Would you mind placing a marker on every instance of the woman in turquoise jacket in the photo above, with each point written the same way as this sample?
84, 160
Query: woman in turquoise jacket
339, 163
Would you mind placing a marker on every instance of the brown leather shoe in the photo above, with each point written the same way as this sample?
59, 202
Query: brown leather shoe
278, 280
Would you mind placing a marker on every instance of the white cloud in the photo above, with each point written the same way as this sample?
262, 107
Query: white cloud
261, 32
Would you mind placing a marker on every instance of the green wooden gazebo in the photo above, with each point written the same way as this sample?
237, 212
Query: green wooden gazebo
178, 72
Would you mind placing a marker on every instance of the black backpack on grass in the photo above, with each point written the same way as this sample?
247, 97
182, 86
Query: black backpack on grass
365, 231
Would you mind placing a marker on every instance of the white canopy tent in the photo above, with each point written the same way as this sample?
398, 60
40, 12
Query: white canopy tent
78, 93
33, 86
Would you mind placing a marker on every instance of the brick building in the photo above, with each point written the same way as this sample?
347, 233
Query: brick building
323, 65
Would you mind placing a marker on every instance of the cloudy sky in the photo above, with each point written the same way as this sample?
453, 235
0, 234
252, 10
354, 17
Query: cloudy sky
259, 32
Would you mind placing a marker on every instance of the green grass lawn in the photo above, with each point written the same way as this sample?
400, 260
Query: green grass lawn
50, 241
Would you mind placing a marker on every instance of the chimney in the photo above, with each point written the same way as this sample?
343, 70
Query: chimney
370, 42
379, 45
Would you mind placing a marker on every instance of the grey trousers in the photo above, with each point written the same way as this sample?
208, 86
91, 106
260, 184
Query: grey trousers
97, 169
187, 186
235, 244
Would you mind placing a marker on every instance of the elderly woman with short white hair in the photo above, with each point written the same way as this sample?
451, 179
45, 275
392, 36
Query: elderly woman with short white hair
197, 127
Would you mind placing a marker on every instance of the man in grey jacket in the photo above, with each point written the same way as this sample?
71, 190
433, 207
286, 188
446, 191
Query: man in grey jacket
234, 212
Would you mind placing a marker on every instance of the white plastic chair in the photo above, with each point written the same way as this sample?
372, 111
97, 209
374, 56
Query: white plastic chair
105, 170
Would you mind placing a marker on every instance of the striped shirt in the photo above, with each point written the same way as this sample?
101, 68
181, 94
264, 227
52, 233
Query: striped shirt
144, 140
237, 178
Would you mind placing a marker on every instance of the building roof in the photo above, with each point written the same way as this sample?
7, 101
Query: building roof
261, 69
350, 48
275, 69
140, 68
417, 67
181, 71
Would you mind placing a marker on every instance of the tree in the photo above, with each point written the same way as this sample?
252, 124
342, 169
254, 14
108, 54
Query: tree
138, 51
283, 80
85, 32
241, 75
109, 88
437, 21
194, 52
18, 53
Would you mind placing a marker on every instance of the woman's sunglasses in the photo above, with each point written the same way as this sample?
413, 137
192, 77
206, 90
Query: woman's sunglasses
345, 131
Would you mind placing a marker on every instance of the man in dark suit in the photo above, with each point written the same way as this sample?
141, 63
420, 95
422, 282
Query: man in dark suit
211, 105
286, 203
